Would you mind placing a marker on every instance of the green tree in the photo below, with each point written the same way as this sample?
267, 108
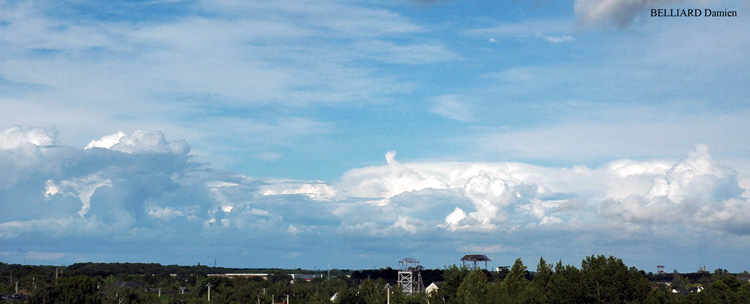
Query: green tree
372, 291
453, 276
744, 293
718, 292
566, 286
537, 292
660, 296
608, 280
513, 289
78, 289
680, 283
732, 282
473, 289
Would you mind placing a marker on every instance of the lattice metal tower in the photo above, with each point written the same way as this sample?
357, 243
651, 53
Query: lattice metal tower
409, 276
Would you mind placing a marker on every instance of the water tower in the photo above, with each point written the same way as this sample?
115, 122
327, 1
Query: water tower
474, 258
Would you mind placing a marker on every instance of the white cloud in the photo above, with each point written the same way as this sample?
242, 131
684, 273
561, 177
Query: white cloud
697, 190
165, 213
85, 187
293, 229
318, 191
394, 198
257, 212
51, 189
697, 177
406, 223
454, 220
494, 191
422, 53
12, 137
507, 194
107, 141
550, 220
140, 141
106, 193
558, 38
452, 107
489, 195
553, 31
184, 74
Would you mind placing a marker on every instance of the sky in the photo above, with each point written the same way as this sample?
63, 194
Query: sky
352, 134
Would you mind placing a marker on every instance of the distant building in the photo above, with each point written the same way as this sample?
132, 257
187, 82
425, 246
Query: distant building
240, 275
306, 276
433, 287
127, 284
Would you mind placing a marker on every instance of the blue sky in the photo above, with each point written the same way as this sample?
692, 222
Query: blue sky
356, 133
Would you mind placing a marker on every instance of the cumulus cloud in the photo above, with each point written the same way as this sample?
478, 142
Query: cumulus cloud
458, 219
140, 141
11, 138
696, 190
505, 195
492, 192
106, 141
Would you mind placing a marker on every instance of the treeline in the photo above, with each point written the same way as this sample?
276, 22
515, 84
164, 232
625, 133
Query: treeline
106, 269
599, 279
116, 269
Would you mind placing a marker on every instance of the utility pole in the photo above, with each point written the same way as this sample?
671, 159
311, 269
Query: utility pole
209, 291
388, 293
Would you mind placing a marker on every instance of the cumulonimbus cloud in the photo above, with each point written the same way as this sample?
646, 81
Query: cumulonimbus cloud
146, 187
